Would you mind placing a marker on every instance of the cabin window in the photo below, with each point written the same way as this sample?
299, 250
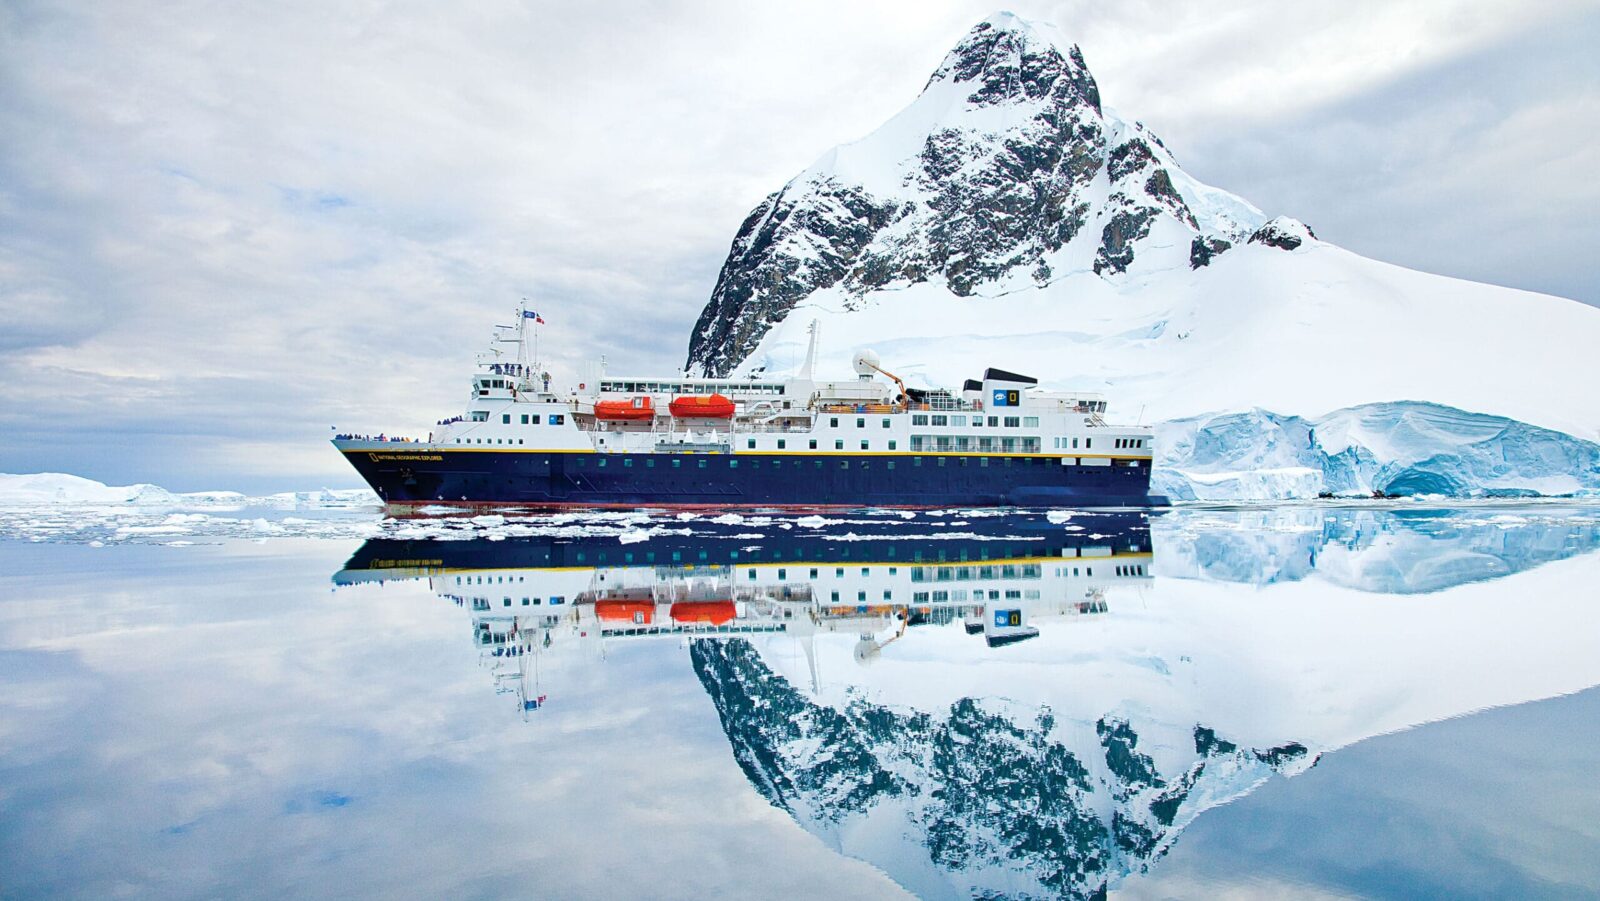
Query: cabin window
1074, 442
505, 419
994, 421
627, 462
813, 574
863, 445
983, 461
649, 463
941, 420
861, 596
919, 419
891, 447
958, 420
1013, 422
702, 464
1031, 422
751, 444
916, 461
886, 422
891, 464
861, 422
844, 464
833, 422
676, 464
835, 597
813, 444
838, 444
732, 463
782, 444
1088, 442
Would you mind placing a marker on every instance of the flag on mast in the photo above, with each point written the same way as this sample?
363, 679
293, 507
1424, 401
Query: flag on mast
529, 314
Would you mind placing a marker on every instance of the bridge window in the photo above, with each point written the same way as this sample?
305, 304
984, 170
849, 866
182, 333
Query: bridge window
941, 420
919, 419
1013, 422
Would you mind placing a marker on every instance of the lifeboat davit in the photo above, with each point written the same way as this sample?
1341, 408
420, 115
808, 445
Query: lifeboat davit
714, 612
700, 406
631, 410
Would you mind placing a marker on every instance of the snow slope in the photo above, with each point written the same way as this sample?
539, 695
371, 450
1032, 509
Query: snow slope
1008, 218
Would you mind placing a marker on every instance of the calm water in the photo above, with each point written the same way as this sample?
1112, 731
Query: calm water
1308, 702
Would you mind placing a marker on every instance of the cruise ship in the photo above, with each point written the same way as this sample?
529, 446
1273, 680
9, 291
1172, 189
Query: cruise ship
861, 441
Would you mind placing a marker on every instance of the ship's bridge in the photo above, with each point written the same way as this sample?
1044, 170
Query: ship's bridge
492, 386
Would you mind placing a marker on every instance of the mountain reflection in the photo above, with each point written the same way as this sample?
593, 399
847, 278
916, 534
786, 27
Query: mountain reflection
1003, 705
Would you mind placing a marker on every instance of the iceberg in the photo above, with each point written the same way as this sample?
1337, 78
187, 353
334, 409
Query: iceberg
1401, 448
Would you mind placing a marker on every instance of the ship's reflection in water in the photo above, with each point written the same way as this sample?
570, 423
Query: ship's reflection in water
880, 581
1007, 706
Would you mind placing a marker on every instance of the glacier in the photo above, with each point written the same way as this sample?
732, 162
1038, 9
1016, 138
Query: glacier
1395, 449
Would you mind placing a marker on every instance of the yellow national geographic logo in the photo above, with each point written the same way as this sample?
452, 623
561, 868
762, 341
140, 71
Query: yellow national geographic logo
404, 458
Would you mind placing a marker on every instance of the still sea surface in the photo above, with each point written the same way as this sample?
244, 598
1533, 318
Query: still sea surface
1330, 701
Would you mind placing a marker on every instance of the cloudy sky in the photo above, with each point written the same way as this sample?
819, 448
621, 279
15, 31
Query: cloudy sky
225, 228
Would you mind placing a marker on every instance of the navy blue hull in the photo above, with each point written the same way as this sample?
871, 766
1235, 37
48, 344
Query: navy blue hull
538, 478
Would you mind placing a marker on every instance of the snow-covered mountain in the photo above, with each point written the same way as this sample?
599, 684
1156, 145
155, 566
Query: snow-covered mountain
1008, 217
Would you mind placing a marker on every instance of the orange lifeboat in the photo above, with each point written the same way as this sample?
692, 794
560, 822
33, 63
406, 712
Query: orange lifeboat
714, 612
700, 406
638, 408
636, 612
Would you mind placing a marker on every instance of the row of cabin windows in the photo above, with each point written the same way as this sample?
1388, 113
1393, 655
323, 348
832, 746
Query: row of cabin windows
838, 444
961, 443
601, 462
1008, 422
553, 600
1061, 443
687, 388
511, 441
1130, 442
505, 418
861, 422
967, 573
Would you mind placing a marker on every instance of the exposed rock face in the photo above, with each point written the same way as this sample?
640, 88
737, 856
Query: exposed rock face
994, 797
1202, 250
1002, 166
1283, 233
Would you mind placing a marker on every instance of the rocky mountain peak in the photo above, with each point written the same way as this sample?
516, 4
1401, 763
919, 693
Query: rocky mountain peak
1005, 58
1005, 172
